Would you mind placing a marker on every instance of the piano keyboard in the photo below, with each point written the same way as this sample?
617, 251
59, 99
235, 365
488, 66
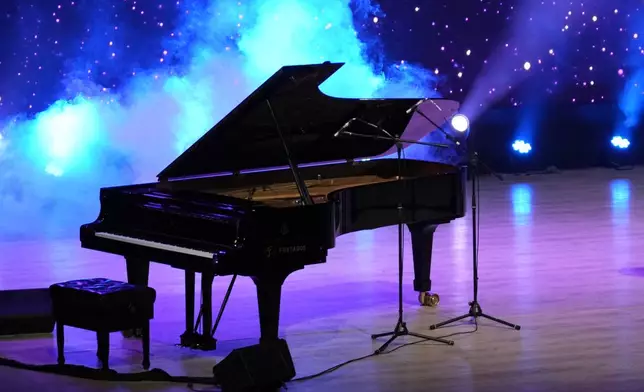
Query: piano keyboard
156, 245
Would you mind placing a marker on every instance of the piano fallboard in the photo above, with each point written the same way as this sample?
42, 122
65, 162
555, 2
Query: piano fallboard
206, 232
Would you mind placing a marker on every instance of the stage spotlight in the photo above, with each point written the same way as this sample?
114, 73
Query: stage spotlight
521, 146
460, 123
620, 142
620, 157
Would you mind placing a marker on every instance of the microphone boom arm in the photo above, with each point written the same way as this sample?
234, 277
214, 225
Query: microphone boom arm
342, 131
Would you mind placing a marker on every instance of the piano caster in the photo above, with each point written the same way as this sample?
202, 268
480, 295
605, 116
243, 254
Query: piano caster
198, 341
428, 299
133, 333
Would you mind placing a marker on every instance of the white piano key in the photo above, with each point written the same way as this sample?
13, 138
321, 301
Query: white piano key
156, 245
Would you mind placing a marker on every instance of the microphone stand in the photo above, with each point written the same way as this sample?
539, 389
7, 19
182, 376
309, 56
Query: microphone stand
475, 311
401, 326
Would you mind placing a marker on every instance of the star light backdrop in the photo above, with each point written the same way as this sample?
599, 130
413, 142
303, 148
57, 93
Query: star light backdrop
106, 92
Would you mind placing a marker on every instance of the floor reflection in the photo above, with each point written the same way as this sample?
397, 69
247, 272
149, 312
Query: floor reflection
521, 195
620, 192
522, 213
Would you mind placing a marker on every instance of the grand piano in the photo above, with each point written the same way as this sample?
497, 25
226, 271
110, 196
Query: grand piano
267, 191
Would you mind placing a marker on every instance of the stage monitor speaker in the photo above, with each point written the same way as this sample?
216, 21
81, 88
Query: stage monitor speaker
25, 312
264, 366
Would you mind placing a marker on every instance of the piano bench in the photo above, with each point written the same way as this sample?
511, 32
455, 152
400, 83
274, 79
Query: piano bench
103, 306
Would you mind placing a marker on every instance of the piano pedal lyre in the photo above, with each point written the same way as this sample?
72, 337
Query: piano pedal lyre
426, 298
133, 333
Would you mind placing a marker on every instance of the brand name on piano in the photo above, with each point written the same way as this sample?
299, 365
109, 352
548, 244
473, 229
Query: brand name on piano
284, 250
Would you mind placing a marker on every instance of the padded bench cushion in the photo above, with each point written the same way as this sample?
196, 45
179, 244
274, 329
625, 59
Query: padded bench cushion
101, 298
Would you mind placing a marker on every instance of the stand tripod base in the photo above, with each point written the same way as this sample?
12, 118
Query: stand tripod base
475, 312
401, 330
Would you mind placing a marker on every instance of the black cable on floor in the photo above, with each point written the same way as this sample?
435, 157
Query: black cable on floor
159, 375
84, 372
338, 366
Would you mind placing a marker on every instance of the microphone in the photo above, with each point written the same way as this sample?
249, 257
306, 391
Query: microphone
449, 137
435, 104
415, 106
345, 126
372, 125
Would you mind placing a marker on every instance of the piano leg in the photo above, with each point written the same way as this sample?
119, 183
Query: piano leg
422, 241
138, 273
208, 342
269, 294
271, 359
187, 336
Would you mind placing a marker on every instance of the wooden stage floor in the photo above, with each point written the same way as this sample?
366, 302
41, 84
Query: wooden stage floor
560, 254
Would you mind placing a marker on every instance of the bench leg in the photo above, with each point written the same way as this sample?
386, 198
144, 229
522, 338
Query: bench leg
146, 345
103, 353
60, 342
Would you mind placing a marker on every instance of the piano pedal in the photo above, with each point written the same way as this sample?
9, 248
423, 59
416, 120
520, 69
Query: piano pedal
133, 333
197, 341
428, 299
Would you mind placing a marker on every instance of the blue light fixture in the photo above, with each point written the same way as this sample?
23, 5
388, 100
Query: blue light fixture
620, 142
521, 146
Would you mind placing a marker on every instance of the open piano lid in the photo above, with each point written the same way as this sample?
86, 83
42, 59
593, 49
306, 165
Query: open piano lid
247, 138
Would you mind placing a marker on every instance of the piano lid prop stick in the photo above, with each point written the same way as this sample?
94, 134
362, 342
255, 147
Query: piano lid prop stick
301, 187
